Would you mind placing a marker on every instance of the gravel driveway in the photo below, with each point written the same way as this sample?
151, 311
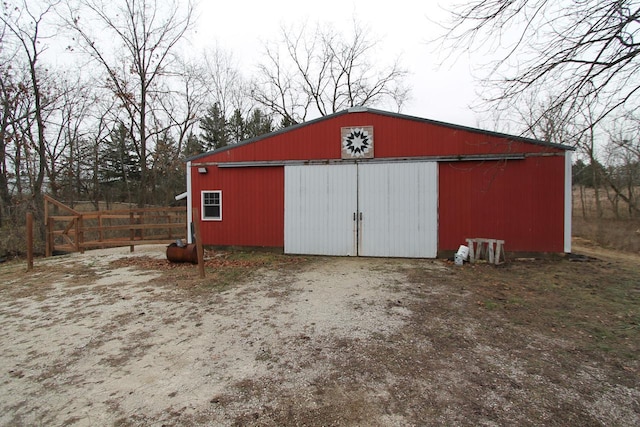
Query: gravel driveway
90, 340
85, 344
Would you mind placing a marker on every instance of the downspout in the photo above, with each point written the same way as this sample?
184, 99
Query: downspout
189, 205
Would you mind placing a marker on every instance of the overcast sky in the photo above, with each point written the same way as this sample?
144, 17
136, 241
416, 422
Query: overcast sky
404, 27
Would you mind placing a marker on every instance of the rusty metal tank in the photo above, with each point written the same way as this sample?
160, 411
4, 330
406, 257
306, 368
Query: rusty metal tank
185, 253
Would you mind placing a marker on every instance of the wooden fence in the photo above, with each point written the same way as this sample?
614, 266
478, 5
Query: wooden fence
69, 230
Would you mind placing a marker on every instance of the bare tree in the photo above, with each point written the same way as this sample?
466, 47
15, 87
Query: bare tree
102, 124
623, 159
23, 24
548, 122
225, 83
68, 135
192, 89
10, 94
147, 33
278, 90
324, 72
580, 53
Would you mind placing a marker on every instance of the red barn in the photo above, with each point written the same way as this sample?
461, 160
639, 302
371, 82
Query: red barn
373, 183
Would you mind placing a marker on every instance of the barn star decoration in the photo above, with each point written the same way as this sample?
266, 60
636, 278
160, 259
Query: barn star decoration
357, 142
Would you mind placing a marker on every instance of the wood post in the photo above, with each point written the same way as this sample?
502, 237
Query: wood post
29, 241
100, 230
199, 248
48, 244
472, 250
48, 250
140, 220
500, 252
490, 243
76, 232
80, 234
132, 232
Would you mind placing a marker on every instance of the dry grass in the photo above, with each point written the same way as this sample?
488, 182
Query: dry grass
610, 233
607, 229
223, 269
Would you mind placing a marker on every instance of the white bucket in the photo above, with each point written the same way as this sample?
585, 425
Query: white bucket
461, 255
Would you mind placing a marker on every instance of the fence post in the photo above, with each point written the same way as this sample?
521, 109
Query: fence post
50, 238
47, 230
199, 248
140, 221
100, 231
76, 228
29, 241
132, 234
80, 236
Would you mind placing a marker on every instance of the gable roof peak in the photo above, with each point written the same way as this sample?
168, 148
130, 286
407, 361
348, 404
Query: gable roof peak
358, 109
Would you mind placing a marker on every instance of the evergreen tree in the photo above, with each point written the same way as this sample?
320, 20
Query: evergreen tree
219, 132
286, 122
583, 173
237, 127
193, 146
258, 124
168, 171
214, 129
120, 166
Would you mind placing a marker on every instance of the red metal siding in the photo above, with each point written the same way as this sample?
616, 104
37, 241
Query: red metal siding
394, 137
252, 206
519, 201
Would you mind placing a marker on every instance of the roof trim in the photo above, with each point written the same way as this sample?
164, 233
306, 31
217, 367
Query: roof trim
388, 114
446, 159
471, 129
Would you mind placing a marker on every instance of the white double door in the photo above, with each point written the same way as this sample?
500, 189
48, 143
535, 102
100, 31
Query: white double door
373, 209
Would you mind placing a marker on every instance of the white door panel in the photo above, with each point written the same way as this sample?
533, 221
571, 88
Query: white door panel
396, 206
399, 206
320, 202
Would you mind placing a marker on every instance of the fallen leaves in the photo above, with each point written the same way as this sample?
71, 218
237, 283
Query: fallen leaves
213, 260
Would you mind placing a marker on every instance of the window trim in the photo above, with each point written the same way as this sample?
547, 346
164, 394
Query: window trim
205, 218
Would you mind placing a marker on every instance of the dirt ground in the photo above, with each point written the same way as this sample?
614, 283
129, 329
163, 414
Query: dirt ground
113, 338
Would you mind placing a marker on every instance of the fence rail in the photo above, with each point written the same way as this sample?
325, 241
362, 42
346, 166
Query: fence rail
69, 230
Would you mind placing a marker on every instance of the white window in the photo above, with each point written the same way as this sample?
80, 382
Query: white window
212, 205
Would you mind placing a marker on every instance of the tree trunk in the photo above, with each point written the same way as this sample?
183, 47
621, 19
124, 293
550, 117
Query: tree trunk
582, 202
38, 199
144, 185
595, 175
18, 169
632, 199
613, 200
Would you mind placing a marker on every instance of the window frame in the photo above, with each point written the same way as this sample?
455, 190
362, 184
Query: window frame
202, 205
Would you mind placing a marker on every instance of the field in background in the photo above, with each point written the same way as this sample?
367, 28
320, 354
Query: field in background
607, 229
